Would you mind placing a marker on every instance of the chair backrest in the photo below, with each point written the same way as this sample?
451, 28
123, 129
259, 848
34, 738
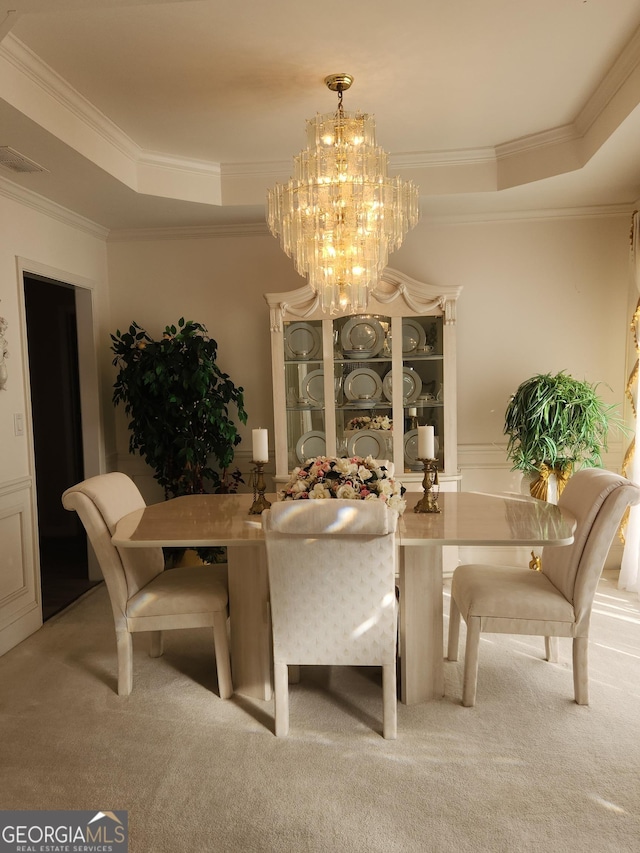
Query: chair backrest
101, 502
597, 500
332, 581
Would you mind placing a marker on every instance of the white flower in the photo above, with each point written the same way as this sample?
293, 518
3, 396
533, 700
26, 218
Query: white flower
386, 487
347, 467
397, 503
319, 491
299, 486
346, 492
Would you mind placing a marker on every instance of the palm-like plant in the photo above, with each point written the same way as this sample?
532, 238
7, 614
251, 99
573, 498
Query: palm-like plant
555, 423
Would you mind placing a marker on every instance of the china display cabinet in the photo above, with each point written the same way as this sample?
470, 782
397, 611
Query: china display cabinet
362, 384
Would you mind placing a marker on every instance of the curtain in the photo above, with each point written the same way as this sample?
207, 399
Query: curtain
630, 531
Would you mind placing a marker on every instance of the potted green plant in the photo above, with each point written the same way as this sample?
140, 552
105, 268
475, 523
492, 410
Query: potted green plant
179, 405
555, 423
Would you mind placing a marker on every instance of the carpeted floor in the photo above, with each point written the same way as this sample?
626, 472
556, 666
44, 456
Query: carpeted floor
525, 770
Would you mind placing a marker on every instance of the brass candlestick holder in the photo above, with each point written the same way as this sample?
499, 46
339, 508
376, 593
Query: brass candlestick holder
260, 503
429, 501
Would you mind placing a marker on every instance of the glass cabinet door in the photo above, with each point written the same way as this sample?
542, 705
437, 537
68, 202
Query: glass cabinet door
304, 389
361, 364
423, 385
359, 419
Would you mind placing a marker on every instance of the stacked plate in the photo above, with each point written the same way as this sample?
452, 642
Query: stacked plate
362, 387
411, 386
362, 337
302, 341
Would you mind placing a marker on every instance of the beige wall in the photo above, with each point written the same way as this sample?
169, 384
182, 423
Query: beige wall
217, 281
63, 247
49, 244
539, 295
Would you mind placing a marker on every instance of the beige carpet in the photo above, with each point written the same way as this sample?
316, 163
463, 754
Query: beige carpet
525, 770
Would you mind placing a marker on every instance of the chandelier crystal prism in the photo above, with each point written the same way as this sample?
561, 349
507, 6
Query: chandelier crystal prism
341, 214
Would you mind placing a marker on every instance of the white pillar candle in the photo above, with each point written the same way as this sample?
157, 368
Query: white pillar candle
413, 411
260, 439
426, 443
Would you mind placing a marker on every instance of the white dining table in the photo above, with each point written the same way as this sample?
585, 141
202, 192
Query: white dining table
466, 518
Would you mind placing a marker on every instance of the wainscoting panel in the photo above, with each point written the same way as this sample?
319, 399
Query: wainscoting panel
20, 610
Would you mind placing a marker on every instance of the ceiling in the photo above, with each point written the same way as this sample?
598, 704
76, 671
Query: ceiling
180, 113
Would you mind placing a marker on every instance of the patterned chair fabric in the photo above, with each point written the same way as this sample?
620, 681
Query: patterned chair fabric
332, 586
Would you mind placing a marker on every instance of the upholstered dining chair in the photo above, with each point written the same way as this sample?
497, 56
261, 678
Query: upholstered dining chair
331, 567
554, 602
143, 596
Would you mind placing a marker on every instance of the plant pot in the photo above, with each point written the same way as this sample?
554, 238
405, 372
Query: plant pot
546, 484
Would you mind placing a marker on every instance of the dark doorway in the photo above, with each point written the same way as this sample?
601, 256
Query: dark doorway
57, 437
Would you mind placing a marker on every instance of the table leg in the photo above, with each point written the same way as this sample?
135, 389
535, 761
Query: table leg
249, 618
421, 643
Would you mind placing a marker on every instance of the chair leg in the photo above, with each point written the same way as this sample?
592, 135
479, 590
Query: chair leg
454, 631
551, 649
281, 698
124, 645
470, 679
581, 670
155, 644
389, 702
223, 659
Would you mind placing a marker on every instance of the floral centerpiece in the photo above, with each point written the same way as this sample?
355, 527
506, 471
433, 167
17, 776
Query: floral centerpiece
365, 422
354, 478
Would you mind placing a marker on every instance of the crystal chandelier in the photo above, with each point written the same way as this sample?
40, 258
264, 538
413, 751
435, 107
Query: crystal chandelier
341, 214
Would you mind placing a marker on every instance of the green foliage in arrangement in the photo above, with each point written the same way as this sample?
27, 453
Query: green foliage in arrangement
179, 403
558, 421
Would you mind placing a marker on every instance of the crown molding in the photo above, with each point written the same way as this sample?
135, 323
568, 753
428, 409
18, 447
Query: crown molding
455, 157
196, 232
543, 139
260, 229
179, 164
267, 169
13, 191
56, 87
535, 156
613, 81
595, 212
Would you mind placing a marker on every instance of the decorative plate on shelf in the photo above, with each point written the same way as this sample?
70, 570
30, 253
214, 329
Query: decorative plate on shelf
363, 385
411, 385
368, 442
312, 387
411, 450
362, 337
311, 444
302, 341
413, 336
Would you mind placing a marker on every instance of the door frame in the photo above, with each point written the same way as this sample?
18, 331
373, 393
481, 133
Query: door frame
90, 407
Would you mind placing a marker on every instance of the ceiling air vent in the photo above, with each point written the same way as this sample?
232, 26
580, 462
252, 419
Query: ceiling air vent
18, 162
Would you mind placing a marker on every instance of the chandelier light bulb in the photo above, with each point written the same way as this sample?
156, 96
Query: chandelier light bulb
341, 214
